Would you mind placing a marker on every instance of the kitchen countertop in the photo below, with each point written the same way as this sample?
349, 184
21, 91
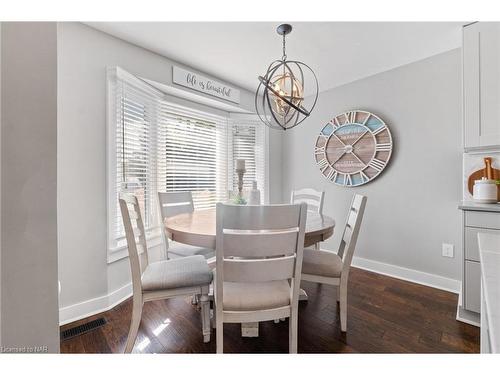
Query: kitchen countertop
489, 254
474, 206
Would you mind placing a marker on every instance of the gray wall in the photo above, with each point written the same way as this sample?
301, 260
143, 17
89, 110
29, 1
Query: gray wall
412, 205
83, 55
28, 185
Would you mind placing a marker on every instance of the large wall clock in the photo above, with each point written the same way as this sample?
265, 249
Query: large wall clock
353, 148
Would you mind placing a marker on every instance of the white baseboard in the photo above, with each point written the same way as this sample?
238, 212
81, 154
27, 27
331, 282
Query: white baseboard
419, 277
93, 306
466, 316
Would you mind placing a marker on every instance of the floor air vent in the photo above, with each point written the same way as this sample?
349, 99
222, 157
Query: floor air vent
83, 328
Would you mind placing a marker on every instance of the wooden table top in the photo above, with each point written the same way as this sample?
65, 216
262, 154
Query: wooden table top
198, 228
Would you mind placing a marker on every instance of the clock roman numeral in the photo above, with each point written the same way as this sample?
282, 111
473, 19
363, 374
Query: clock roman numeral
350, 117
332, 175
347, 180
383, 147
319, 150
379, 130
377, 164
335, 122
364, 177
322, 163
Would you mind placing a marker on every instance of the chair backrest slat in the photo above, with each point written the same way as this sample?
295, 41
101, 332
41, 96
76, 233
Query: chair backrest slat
175, 203
351, 230
272, 243
261, 217
259, 243
136, 237
259, 270
171, 204
313, 198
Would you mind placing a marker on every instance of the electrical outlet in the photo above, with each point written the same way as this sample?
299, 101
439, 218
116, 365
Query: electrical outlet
448, 250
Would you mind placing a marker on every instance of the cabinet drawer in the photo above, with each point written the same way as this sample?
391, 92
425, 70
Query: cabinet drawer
471, 242
490, 220
472, 286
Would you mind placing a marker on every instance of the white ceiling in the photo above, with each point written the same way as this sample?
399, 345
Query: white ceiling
339, 52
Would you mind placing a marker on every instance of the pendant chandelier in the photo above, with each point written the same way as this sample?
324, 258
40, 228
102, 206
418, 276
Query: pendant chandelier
280, 96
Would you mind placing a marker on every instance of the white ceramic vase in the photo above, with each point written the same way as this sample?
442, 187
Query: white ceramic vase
485, 191
254, 196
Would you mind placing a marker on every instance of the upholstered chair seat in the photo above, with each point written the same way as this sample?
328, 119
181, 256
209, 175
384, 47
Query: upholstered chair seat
321, 263
256, 296
176, 273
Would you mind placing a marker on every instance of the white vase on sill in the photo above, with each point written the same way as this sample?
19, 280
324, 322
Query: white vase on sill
254, 196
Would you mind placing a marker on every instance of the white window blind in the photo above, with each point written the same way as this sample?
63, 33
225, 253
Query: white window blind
192, 154
134, 145
248, 142
155, 145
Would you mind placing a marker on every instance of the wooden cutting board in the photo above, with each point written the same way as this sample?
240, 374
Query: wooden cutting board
477, 175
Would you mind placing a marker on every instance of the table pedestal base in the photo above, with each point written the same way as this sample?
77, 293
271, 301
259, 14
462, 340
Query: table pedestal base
252, 329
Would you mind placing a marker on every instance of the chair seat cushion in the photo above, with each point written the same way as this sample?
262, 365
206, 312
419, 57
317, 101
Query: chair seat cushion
178, 250
256, 296
176, 273
321, 263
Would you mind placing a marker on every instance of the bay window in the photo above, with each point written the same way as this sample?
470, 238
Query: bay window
156, 145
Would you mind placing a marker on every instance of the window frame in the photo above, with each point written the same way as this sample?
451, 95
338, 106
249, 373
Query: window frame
117, 247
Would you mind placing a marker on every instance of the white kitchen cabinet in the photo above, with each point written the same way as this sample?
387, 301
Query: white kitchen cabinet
489, 257
481, 85
473, 286
477, 218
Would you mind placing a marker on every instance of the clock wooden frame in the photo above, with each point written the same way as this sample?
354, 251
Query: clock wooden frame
353, 148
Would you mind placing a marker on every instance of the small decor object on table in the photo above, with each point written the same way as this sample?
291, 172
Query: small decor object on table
240, 171
353, 148
254, 198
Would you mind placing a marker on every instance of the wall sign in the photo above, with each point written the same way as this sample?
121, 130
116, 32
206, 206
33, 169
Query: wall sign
353, 148
203, 84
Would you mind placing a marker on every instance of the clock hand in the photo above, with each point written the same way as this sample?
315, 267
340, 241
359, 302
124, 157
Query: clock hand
336, 160
356, 156
335, 135
361, 136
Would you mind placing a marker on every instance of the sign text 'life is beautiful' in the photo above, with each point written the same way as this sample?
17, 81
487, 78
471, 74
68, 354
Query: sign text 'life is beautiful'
203, 84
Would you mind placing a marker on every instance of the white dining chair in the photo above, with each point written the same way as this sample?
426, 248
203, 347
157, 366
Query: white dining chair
175, 203
327, 267
259, 258
314, 200
160, 280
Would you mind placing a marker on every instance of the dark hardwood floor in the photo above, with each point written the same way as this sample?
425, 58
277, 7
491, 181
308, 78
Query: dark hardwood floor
385, 315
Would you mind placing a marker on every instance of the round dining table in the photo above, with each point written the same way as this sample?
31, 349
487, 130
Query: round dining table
199, 229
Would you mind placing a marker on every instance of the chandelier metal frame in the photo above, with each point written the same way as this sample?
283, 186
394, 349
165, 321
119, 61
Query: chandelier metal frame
294, 112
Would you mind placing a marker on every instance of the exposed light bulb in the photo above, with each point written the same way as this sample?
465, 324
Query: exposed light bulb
286, 86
